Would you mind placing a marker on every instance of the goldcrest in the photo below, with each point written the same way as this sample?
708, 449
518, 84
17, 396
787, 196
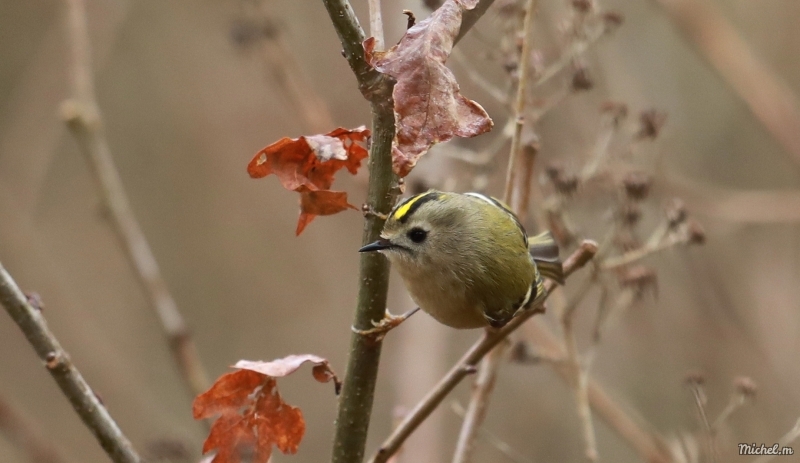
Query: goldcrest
466, 259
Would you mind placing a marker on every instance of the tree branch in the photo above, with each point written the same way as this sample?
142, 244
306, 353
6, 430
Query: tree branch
355, 402
83, 118
471, 358
69, 379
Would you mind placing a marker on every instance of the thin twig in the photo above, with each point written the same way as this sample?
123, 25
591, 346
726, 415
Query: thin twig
466, 364
69, 379
82, 116
700, 401
478, 403
519, 100
648, 445
579, 381
20, 432
640, 253
376, 23
496, 441
487, 373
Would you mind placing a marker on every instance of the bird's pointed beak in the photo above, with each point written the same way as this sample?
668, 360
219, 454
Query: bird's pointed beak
379, 245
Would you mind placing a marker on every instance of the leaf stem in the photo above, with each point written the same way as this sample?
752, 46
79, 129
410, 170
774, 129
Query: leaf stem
69, 379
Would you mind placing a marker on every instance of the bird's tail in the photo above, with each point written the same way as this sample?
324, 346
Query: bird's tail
544, 250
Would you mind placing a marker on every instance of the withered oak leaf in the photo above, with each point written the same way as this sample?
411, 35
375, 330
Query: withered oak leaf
307, 165
428, 104
251, 415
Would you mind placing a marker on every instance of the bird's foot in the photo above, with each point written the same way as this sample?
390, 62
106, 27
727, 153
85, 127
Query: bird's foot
386, 324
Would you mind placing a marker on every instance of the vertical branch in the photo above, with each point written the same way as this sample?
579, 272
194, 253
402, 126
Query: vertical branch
519, 101
355, 402
69, 379
83, 118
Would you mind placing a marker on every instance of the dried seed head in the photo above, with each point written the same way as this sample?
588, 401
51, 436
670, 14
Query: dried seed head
651, 122
582, 6
554, 170
627, 242
696, 234
612, 20
617, 111
246, 32
581, 80
637, 185
567, 184
507, 8
676, 212
695, 378
510, 65
629, 214
640, 278
745, 386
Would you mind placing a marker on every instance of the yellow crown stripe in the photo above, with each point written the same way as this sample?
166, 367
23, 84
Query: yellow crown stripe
405, 209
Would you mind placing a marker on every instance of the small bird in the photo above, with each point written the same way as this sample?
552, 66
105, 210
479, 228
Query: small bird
466, 259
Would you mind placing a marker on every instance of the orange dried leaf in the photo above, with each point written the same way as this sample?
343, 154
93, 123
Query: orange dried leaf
307, 165
428, 105
230, 391
252, 415
320, 202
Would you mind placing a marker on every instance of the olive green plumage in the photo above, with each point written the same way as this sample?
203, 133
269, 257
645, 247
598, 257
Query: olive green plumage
465, 258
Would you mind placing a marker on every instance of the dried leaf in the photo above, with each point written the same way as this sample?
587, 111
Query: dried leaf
282, 367
307, 165
252, 416
320, 202
428, 105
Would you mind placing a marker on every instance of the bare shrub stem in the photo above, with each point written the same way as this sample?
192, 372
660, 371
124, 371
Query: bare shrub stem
69, 379
83, 118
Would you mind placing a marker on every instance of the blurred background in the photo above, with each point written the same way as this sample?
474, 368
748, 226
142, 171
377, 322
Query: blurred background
190, 91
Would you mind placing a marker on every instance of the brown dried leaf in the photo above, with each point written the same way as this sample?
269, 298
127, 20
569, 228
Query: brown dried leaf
307, 165
428, 105
252, 415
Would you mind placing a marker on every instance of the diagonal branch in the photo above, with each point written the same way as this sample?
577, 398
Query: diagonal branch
470, 359
69, 379
83, 118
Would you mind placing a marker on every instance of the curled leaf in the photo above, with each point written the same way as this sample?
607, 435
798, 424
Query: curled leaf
428, 104
251, 415
307, 165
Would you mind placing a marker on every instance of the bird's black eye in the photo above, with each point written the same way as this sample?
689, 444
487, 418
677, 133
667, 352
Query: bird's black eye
417, 235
